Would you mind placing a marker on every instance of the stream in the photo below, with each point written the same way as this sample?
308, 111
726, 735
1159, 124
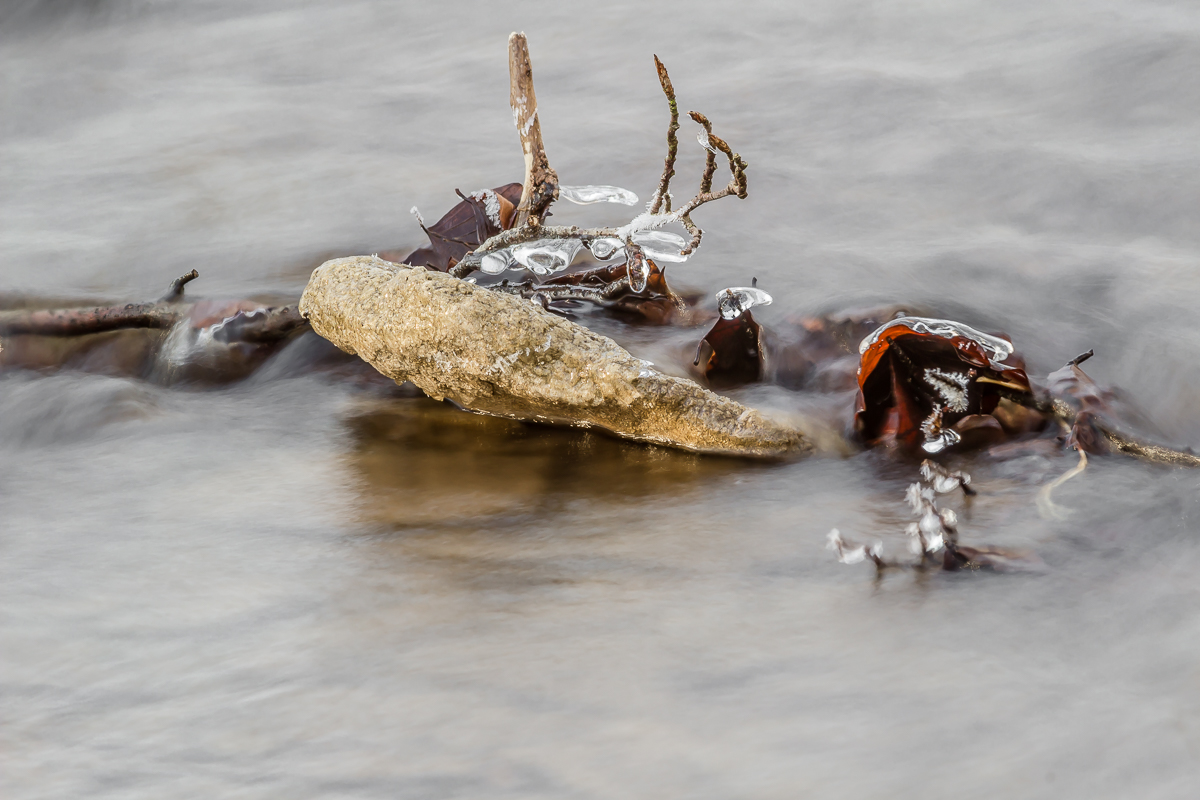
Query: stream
297, 586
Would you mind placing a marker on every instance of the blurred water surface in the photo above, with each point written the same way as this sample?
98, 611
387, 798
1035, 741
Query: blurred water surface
285, 588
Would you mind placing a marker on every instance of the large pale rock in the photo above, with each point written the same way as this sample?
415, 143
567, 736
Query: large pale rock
499, 354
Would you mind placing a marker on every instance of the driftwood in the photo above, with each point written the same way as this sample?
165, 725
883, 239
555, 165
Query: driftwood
263, 324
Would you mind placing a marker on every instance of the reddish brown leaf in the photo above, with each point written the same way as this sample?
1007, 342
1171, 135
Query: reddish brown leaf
735, 351
930, 384
466, 226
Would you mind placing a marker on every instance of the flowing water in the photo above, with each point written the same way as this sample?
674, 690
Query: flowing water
293, 587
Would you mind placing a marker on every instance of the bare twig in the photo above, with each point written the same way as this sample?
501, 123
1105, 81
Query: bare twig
541, 182
1154, 453
710, 154
175, 290
1079, 359
736, 185
662, 195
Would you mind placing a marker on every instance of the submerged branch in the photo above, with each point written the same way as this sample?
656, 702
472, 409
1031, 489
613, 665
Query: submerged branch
266, 324
82, 321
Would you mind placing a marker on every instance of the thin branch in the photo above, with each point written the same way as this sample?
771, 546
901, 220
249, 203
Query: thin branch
81, 321
541, 182
547, 293
1079, 359
514, 236
710, 154
1153, 453
736, 185
662, 195
175, 290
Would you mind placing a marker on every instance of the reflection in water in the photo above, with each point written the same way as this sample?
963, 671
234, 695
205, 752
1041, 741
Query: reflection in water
425, 463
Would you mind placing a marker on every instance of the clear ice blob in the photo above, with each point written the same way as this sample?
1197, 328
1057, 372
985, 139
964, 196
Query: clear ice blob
737, 300
586, 195
660, 245
496, 262
940, 441
997, 349
637, 268
546, 256
604, 249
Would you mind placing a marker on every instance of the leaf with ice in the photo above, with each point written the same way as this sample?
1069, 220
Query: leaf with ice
996, 348
587, 195
546, 256
660, 245
737, 300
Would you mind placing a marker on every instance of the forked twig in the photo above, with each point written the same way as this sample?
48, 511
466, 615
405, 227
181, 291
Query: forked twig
541, 182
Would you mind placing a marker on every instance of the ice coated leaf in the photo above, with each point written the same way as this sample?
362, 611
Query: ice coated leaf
930, 384
546, 256
737, 300
604, 249
997, 349
586, 195
735, 340
660, 245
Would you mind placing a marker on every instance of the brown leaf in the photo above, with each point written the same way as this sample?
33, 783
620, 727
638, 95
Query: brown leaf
735, 351
465, 227
929, 390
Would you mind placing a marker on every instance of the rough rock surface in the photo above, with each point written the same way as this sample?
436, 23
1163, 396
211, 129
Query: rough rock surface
499, 354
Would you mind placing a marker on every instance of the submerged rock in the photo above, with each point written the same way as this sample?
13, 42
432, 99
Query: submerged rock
500, 354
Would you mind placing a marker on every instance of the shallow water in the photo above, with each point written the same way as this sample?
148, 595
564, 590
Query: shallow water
297, 587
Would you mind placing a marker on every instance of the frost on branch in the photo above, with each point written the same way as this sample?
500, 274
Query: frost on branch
543, 256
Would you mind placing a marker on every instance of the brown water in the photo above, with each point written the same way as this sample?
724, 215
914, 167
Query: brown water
292, 587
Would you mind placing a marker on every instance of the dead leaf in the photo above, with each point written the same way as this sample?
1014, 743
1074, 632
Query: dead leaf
469, 224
